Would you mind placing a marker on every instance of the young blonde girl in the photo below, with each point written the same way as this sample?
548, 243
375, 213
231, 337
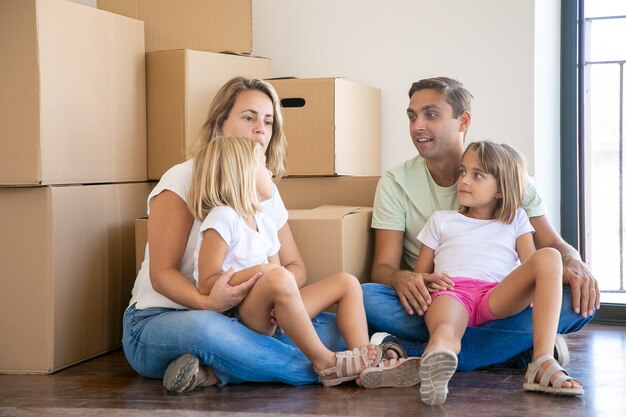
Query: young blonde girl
472, 253
229, 183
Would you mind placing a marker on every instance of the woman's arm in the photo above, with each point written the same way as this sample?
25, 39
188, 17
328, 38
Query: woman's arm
169, 225
290, 256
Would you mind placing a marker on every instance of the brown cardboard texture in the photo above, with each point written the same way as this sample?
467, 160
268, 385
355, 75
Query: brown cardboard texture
181, 86
141, 241
67, 256
332, 126
311, 192
72, 94
334, 239
205, 25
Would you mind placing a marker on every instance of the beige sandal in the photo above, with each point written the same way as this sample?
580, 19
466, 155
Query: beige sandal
350, 364
544, 384
391, 373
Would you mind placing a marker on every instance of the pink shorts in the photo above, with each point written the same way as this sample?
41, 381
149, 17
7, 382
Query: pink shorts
474, 295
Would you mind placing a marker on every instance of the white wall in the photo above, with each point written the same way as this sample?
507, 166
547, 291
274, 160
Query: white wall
504, 51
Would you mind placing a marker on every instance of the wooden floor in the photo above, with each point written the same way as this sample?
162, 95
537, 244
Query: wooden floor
107, 386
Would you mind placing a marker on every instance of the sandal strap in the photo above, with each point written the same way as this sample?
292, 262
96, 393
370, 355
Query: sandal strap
554, 367
533, 367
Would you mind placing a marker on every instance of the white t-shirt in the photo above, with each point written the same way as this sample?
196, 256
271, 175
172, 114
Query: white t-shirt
474, 248
246, 247
178, 180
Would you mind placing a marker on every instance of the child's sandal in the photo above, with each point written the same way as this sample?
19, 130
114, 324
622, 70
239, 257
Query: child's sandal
544, 384
350, 364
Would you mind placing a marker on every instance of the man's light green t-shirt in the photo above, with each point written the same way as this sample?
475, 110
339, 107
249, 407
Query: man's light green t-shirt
406, 196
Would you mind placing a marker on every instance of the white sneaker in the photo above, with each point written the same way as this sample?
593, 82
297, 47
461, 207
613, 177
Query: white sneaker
379, 337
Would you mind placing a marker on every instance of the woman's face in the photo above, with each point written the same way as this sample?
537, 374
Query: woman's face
252, 116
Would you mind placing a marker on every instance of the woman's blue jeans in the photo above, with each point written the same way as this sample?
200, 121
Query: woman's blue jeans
492, 343
153, 337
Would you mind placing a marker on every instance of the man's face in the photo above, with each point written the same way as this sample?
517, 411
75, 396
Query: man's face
435, 133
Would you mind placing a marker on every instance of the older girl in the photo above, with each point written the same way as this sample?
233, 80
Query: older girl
478, 247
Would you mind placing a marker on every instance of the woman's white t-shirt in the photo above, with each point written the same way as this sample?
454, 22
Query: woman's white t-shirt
178, 180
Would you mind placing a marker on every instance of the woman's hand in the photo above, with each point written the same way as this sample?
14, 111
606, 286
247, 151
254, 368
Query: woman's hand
224, 296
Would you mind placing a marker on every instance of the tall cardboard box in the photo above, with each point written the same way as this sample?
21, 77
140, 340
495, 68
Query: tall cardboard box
334, 239
68, 266
205, 25
72, 94
181, 86
311, 192
332, 126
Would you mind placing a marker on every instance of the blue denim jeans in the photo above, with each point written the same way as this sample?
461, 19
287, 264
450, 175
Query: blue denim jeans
153, 337
492, 343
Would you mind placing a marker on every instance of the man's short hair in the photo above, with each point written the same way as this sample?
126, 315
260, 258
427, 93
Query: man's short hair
456, 95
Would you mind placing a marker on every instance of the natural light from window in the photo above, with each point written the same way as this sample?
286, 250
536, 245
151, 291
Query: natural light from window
605, 185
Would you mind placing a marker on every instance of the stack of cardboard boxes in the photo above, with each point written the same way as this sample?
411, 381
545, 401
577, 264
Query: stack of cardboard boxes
332, 125
333, 130
72, 179
92, 109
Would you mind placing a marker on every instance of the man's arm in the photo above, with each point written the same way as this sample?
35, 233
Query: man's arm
409, 286
585, 290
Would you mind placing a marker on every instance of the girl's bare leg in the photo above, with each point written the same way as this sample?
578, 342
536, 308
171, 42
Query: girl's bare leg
538, 280
277, 289
446, 320
344, 290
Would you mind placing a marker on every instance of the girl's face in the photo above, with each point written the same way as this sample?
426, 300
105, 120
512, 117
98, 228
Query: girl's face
264, 183
252, 116
477, 189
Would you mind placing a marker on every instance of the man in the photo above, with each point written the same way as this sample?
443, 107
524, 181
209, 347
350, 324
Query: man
439, 115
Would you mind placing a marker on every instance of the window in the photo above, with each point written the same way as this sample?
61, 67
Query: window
603, 151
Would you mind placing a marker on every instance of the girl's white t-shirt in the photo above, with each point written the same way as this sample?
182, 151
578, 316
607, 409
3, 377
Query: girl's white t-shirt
474, 248
178, 180
246, 247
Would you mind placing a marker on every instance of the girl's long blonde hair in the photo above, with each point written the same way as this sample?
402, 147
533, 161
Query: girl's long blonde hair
508, 168
224, 174
220, 108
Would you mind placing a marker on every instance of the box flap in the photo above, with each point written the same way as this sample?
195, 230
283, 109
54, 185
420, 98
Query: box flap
322, 212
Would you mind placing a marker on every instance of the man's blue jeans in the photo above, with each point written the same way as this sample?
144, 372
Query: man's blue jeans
492, 343
153, 337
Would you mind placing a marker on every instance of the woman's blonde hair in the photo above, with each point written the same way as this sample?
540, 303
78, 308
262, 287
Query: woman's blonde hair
221, 107
224, 174
508, 168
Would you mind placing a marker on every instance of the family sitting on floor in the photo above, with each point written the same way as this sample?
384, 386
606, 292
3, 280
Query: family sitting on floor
467, 271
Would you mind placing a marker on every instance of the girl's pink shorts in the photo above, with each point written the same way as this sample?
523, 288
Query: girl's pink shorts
474, 295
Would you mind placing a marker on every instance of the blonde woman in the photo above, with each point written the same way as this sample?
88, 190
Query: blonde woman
230, 181
171, 329
472, 253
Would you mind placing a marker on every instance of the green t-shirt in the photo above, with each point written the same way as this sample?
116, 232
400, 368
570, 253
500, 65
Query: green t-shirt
406, 196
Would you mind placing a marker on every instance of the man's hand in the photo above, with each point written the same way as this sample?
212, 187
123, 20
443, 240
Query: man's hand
585, 290
224, 296
412, 292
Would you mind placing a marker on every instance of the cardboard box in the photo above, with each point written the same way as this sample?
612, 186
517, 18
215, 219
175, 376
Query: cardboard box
72, 94
311, 192
334, 239
332, 126
67, 256
181, 86
207, 25
141, 240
